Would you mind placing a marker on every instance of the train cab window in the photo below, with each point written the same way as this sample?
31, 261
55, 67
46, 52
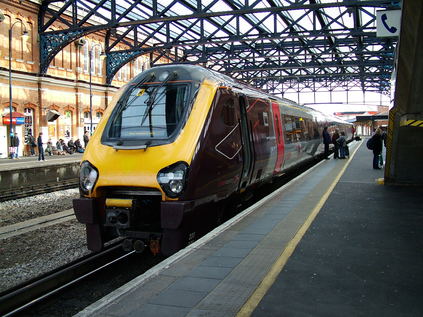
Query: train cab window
149, 112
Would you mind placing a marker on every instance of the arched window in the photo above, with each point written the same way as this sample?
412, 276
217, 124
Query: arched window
86, 60
97, 61
29, 123
56, 62
67, 55
68, 124
17, 39
4, 27
87, 121
141, 64
29, 43
123, 73
6, 109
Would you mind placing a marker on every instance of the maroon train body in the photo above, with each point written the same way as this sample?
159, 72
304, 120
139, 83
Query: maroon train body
197, 140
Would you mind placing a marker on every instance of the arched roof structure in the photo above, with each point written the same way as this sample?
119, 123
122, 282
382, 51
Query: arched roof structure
272, 44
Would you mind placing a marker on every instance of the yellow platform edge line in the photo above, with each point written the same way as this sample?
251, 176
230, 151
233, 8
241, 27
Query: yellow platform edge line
261, 290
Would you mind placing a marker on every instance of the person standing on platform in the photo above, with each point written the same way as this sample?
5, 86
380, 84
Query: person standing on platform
32, 144
12, 147
342, 143
49, 147
384, 137
326, 141
86, 139
335, 137
377, 148
16, 145
40, 147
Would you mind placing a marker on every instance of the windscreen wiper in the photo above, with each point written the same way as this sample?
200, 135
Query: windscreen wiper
151, 101
138, 85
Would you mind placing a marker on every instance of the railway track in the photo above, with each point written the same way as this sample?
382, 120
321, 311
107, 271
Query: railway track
15, 193
51, 292
24, 296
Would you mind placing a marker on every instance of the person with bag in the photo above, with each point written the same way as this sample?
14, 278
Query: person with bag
335, 137
342, 143
326, 141
376, 145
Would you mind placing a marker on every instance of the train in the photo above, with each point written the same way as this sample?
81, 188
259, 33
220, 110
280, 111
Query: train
176, 145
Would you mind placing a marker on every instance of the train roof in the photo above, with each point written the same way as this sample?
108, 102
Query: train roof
199, 73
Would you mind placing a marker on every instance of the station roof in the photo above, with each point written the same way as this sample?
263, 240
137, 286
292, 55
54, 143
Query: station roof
276, 45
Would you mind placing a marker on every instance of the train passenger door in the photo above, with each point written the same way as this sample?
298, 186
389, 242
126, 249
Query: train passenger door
279, 137
246, 144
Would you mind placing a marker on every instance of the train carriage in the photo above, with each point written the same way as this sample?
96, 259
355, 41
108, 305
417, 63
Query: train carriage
176, 144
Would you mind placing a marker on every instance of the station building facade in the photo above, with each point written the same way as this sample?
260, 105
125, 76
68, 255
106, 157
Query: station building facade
57, 104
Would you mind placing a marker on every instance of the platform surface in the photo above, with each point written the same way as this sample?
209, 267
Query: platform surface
32, 161
333, 242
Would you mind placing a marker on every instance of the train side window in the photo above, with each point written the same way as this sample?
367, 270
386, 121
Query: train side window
289, 129
265, 119
228, 112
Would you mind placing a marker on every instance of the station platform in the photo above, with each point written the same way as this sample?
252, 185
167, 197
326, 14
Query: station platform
335, 241
23, 162
27, 171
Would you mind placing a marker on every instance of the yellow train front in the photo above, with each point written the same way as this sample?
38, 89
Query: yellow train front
173, 146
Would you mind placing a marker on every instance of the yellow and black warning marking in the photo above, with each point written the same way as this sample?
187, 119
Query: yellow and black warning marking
412, 123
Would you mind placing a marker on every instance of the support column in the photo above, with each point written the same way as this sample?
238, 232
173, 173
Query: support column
405, 132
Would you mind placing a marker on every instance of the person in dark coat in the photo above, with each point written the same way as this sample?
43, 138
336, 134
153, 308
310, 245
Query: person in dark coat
16, 144
326, 141
71, 146
86, 139
65, 147
377, 148
40, 147
78, 146
342, 143
32, 144
12, 146
335, 137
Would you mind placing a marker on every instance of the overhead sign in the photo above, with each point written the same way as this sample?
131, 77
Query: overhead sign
15, 120
388, 23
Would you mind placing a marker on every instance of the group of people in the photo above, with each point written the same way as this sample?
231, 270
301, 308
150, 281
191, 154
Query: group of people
60, 148
341, 151
339, 141
36, 144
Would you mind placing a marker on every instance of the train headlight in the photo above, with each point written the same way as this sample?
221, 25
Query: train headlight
87, 177
172, 179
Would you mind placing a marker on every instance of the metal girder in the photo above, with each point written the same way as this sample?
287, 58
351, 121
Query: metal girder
267, 43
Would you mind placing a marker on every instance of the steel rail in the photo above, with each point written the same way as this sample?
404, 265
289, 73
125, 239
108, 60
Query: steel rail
15, 193
27, 294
